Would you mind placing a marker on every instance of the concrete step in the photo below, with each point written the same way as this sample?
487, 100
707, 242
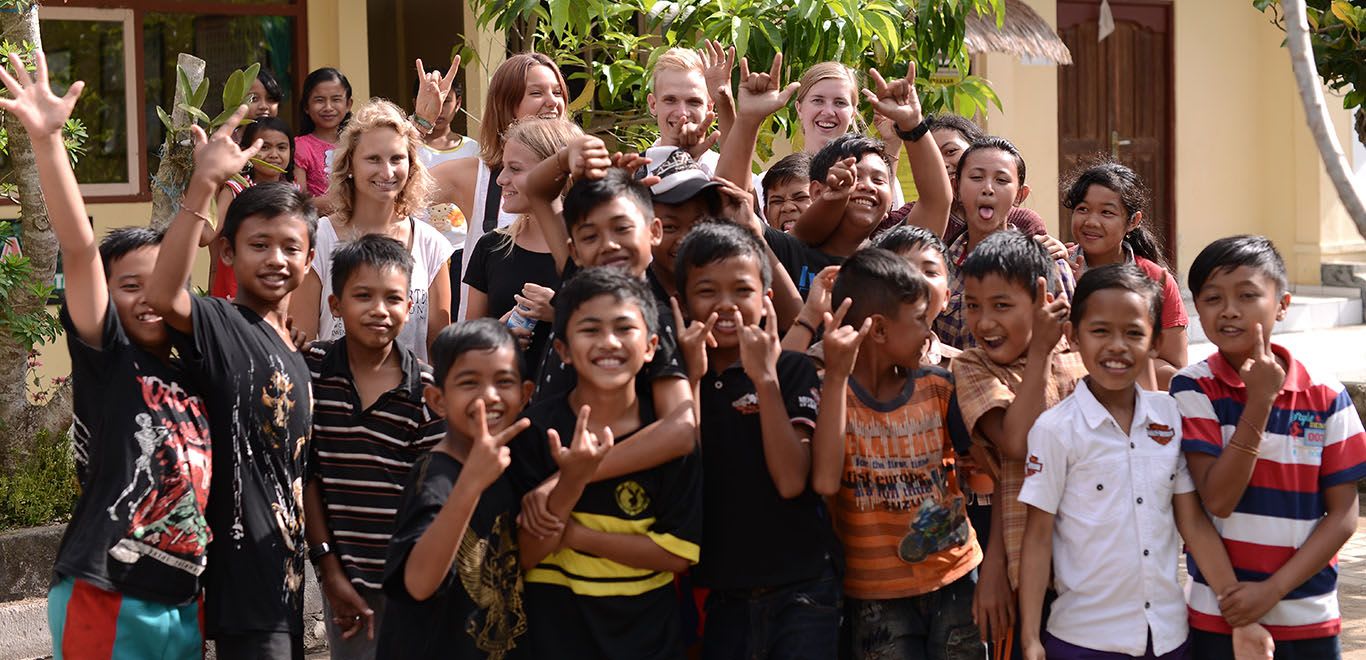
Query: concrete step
1335, 352
1311, 308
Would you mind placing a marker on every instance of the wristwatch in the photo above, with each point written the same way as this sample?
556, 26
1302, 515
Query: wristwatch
317, 552
914, 134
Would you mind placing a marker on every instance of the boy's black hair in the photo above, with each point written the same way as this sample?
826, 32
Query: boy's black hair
374, 250
315, 78
270, 200
880, 282
484, 334
792, 166
904, 238
1132, 194
999, 144
964, 127
1017, 258
849, 145
254, 129
713, 240
1125, 277
588, 194
1228, 253
119, 242
603, 281
274, 93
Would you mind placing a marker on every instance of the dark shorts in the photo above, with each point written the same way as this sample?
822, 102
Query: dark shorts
1214, 646
259, 646
1060, 650
798, 621
933, 626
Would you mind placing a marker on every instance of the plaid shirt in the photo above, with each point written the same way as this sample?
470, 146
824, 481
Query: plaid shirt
950, 326
984, 386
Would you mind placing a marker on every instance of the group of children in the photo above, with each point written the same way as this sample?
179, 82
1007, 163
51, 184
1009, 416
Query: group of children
851, 440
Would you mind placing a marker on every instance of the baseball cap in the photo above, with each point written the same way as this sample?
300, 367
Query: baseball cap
680, 177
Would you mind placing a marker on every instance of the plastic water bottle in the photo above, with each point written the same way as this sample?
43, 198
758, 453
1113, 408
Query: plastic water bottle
516, 320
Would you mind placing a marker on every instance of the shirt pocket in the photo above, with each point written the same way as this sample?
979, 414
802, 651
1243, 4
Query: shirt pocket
1095, 491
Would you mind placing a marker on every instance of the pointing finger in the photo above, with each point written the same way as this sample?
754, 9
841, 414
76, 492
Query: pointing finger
777, 68
744, 69
506, 435
421, 70
678, 313
450, 73
879, 83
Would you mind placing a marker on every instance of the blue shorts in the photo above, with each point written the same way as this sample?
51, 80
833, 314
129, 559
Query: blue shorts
89, 622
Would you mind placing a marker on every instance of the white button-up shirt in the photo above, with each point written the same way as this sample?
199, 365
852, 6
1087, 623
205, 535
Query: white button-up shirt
1115, 543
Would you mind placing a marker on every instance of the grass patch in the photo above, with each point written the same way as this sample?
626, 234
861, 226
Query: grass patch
44, 489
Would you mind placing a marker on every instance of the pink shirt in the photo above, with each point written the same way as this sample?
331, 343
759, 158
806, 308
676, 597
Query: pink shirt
315, 156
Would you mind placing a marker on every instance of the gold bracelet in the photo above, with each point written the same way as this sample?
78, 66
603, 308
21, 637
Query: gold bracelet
1246, 449
197, 214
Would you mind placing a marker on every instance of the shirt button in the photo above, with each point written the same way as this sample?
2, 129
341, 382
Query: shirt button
1145, 553
1140, 500
718, 385
1147, 605
1173, 477
1131, 445
1100, 486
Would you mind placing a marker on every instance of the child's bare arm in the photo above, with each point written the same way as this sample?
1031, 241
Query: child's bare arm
353, 614
43, 114
576, 462
1036, 564
439, 312
759, 97
634, 550
215, 159
673, 436
1330, 534
1009, 428
1205, 545
1222, 480
899, 101
220, 205
841, 350
305, 304
828, 201
434, 552
993, 602
786, 454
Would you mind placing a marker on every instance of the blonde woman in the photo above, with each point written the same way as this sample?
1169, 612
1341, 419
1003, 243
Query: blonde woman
511, 270
378, 184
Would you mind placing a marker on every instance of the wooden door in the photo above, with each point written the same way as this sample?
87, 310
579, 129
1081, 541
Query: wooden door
1116, 98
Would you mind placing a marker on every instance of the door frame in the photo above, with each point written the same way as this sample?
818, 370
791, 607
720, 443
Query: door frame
1157, 14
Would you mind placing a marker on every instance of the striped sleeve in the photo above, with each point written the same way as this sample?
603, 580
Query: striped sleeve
1344, 447
1201, 430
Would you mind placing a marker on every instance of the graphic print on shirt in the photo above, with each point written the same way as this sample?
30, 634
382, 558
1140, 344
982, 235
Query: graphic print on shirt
899, 467
165, 499
286, 496
491, 574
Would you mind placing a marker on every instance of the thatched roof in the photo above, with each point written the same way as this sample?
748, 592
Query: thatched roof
1024, 34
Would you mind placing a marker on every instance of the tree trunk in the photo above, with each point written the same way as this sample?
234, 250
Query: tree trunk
1316, 111
177, 156
20, 420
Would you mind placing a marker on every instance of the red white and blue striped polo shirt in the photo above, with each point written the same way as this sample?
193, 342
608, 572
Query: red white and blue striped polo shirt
1313, 440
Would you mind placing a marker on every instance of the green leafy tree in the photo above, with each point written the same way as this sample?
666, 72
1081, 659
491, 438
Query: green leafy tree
611, 46
1335, 32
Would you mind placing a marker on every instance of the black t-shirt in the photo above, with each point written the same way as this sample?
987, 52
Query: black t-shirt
259, 394
555, 379
755, 537
500, 275
802, 262
582, 606
477, 610
143, 460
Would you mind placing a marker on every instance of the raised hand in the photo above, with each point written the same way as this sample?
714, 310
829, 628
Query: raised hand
738, 205
586, 449
588, 157
489, 454
535, 301
693, 340
434, 89
886, 129
760, 347
759, 94
218, 157
1261, 373
717, 63
1077, 264
698, 139
839, 181
841, 342
1056, 248
33, 103
1050, 318
536, 517
897, 100
817, 305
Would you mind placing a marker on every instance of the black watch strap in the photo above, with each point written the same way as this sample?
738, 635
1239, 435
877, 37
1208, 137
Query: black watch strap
317, 552
916, 133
